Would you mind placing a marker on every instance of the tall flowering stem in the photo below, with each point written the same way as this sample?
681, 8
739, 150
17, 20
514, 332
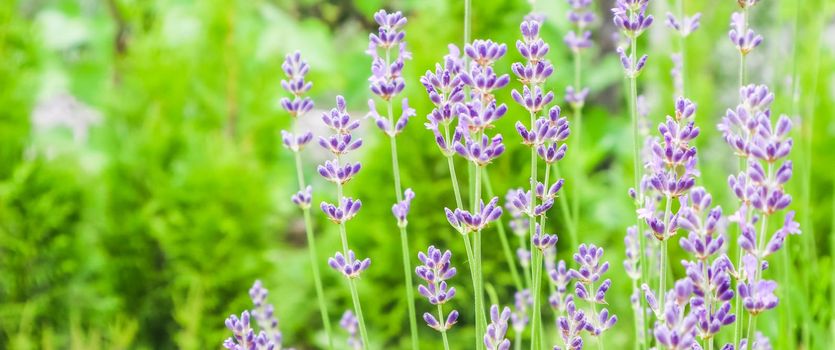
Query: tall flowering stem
591, 269
764, 144
339, 172
387, 82
683, 26
296, 69
630, 18
545, 135
745, 40
578, 39
243, 331
435, 271
672, 170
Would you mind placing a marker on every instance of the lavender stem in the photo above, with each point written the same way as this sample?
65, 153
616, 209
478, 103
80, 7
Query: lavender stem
314, 257
508, 254
443, 330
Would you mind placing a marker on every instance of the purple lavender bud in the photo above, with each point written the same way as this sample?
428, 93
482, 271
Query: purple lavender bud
384, 123
632, 69
401, 209
633, 257
296, 69
481, 153
432, 322
485, 52
350, 267
577, 42
687, 26
543, 241
588, 257
758, 296
519, 318
336, 173
483, 80
349, 323
476, 117
745, 39
338, 118
340, 144
533, 100
346, 210
630, 17
577, 99
390, 30
532, 73
295, 143
303, 197
572, 325
494, 338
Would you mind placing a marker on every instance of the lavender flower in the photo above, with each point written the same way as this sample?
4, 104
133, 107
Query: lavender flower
590, 270
630, 17
387, 75
572, 325
303, 197
523, 300
542, 241
401, 209
349, 266
560, 276
676, 329
686, 26
344, 212
446, 91
516, 205
296, 69
435, 271
349, 323
465, 222
495, 339
243, 333
744, 38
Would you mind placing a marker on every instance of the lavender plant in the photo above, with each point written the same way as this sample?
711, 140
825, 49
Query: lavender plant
631, 19
387, 82
349, 323
296, 69
243, 333
764, 145
578, 39
435, 271
683, 25
743, 37
495, 336
590, 270
339, 172
545, 136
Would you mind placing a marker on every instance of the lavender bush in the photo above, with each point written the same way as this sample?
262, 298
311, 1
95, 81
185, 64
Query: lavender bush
709, 290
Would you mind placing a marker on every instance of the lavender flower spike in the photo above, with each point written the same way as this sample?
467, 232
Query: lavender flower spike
495, 339
401, 209
296, 69
349, 323
349, 266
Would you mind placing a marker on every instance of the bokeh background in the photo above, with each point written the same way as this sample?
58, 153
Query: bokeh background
143, 187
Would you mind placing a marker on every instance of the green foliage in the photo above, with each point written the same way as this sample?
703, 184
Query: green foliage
148, 232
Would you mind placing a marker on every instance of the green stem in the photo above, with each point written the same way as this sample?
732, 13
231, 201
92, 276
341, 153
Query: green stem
662, 284
508, 254
473, 273
314, 257
443, 329
352, 283
742, 59
752, 325
536, 336
566, 215
683, 48
479, 292
636, 153
579, 174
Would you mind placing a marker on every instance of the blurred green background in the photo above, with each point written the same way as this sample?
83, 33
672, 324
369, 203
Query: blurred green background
143, 186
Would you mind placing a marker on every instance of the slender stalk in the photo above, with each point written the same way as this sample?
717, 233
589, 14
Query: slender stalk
443, 329
404, 238
352, 283
343, 234
743, 67
752, 324
636, 154
576, 150
682, 42
473, 274
566, 214
662, 284
508, 254
314, 257
637, 318
479, 292
454, 179
536, 336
